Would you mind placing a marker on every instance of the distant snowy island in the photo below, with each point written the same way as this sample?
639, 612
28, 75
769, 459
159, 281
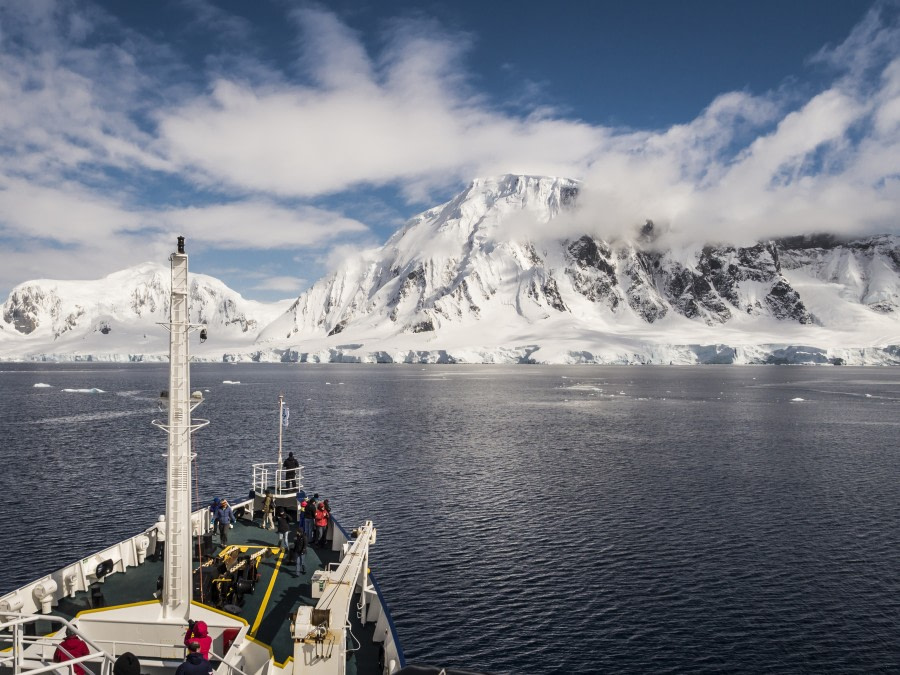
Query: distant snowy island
481, 279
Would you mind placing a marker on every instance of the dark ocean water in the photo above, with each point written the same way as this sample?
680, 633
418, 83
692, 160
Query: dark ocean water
531, 519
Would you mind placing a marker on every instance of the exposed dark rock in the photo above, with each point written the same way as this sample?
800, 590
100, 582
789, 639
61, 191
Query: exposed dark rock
22, 310
785, 303
551, 292
594, 272
587, 253
642, 295
693, 296
422, 327
339, 326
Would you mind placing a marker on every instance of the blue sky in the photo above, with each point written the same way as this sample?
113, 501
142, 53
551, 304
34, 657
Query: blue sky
282, 136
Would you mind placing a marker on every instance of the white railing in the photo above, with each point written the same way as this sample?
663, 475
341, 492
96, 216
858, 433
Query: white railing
20, 652
282, 482
371, 606
39, 596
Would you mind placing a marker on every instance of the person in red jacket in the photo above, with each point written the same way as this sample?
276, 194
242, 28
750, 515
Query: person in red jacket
198, 632
321, 525
70, 648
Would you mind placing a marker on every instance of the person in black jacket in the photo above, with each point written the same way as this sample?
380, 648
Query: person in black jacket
283, 524
309, 511
290, 467
298, 550
194, 664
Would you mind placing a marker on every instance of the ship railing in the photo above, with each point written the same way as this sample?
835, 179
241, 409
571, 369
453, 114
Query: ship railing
282, 482
87, 574
26, 650
225, 662
84, 575
372, 605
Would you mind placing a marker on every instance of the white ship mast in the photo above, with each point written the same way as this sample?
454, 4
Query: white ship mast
177, 586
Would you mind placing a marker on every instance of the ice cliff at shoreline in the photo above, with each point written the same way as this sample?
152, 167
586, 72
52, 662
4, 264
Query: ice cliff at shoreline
483, 278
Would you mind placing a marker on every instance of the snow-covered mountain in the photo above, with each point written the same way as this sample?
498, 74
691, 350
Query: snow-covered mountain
469, 280
117, 317
490, 277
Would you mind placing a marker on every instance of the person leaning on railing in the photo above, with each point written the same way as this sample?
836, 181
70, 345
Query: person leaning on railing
291, 465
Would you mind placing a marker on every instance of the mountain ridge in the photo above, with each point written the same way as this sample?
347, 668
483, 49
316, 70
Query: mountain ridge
484, 277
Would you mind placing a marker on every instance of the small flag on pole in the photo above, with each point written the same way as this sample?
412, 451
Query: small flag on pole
285, 414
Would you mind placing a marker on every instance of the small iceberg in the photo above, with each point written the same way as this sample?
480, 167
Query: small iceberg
231, 381
41, 385
798, 399
93, 390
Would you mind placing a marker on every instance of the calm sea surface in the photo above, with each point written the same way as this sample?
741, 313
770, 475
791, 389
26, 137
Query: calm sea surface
531, 519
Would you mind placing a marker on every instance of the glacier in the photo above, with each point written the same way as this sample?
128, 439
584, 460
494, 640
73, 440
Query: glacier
491, 276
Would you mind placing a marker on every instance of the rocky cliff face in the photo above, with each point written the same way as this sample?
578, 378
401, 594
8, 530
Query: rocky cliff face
489, 276
456, 263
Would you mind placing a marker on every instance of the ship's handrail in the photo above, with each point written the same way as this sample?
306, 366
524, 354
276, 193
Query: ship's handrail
14, 622
395, 639
78, 576
272, 476
224, 662
385, 630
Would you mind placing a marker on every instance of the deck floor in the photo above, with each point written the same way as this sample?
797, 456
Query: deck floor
270, 620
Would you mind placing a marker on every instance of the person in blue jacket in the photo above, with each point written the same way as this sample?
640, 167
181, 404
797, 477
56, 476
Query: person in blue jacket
224, 518
213, 507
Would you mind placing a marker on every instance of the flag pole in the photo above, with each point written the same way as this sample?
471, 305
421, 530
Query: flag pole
280, 427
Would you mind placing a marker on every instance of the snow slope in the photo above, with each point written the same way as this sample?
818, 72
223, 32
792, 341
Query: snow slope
457, 284
117, 317
486, 278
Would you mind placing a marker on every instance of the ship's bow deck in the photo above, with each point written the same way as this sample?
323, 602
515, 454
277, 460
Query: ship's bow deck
266, 610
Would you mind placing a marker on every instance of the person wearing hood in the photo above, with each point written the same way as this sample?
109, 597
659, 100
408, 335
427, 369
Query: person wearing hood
321, 525
198, 632
71, 647
194, 664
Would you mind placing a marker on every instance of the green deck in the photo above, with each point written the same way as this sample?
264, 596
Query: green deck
272, 621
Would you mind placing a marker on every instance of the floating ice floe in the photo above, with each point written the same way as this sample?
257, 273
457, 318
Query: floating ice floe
231, 381
798, 399
93, 390
41, 385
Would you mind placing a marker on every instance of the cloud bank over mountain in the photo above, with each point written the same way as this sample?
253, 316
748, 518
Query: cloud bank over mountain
114, 140
452, 286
